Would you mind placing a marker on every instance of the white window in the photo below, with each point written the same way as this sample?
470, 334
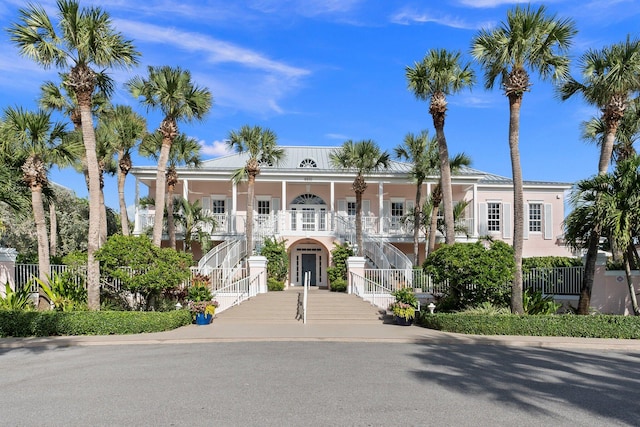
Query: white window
493, 216
535, 217
397, 209
264, 207
217, 206
351, 208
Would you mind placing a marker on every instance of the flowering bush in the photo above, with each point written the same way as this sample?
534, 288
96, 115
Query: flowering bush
204, 307
402, 309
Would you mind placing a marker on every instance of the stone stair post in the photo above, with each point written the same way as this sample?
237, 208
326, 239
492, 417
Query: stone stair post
7, 268
257, 265
355, 264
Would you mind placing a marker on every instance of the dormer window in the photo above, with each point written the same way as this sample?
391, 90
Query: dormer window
308, 163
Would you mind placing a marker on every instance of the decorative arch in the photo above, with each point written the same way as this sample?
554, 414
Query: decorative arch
308, 199
308, 163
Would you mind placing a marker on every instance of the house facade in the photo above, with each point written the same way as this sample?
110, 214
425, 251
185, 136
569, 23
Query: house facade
311, 205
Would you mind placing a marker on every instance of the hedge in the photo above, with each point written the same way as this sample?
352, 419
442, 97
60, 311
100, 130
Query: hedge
48, 323
598, 326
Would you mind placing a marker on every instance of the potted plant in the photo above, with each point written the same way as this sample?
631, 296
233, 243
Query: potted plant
203, 311
405, 306
201, 303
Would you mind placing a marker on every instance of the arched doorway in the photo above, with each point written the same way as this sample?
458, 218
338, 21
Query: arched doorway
307, 255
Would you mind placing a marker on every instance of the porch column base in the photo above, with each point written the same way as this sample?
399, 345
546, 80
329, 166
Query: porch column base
258, 265
355, 264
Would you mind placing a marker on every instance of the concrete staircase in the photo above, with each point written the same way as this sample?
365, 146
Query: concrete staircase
323, 307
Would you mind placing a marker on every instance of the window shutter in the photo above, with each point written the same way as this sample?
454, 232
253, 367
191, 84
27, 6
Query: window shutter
342, 207
366, 207
410, 204
275, 205
206, 203
525, 221
548, 221
506, 220
386, 214
483, 229
227, 205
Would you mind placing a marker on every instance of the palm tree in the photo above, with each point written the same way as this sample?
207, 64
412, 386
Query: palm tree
611, 203
609, 77
126, 129
39, 143
86, 40
440, 74
528, 40
261, 146
364, 157
415, 149
455, 164
172, 91
184, 151
194, 220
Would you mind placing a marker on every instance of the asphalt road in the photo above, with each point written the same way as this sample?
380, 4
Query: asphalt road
317, 384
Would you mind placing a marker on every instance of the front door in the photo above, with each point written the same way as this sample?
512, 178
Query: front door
309, 264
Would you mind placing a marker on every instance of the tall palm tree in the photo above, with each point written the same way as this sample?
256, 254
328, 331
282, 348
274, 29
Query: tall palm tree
184, 151
105, 151
455, 164
261, 147
87, 40
126, 129
415, 149
610, 76
172, 91
529, 40
363, 157
39, 144
441, 73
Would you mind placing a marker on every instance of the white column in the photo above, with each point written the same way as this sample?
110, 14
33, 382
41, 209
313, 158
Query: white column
284, 204
332, 196
258, 265
354, 265
380, 206
185, 189
475, 209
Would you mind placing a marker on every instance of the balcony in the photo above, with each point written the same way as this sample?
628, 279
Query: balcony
303, 223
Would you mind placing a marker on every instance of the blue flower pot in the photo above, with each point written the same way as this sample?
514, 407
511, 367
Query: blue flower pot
203, 319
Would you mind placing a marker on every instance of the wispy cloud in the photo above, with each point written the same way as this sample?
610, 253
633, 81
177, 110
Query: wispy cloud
336, 136
408, 16
308, 8
489, 3
215, 149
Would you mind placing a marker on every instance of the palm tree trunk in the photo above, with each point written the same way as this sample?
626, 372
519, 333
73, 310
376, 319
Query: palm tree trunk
594, 241
445, 182
416, 226
53, 229
124, 218
103, 218
433, 229
359, 240
249, 228
43, 242
171, 227
515, 102
632, 291
161, 180
93, 244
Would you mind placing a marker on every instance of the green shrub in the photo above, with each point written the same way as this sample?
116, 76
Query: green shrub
48, 323
536, 303
549, 262
16, 300
199, 293
153, 269
277, 258
406, 296
274, 284
474, 274
339, 256
338, 285
64, 292
600, 326
487, 309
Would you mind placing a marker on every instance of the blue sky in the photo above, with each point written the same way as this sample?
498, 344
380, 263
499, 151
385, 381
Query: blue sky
318, 72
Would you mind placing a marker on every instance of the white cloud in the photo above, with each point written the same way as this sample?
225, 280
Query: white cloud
215, 149
489, 3
336, 136
409, 16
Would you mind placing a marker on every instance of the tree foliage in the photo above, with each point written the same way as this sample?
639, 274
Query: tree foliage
151, 269
277, 259
475, 273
